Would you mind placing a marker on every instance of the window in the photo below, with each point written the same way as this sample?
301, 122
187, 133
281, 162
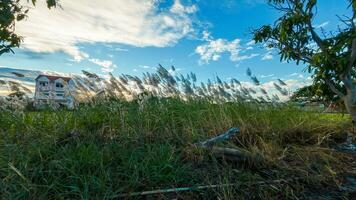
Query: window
60, 95
46, 94
43, 83
59, 85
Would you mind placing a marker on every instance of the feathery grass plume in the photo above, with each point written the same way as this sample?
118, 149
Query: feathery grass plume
203, 87
25, 89
123, 79
82, 93
263, 91
209, 82
152, 80
177, 78
268, 98
166, 76
248, 72
235, 81
252, 91
255, 80
14, 86
282, 82
2, 82
261, 99
188, 77
275, 97
281, 90
218, 80
90, 75
193, 77
245, 91
187, 89
226, 85
160, 84
226, 95
18, 94
200, 92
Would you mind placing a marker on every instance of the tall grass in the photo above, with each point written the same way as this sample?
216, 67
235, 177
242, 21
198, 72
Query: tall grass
119, 142
112, 147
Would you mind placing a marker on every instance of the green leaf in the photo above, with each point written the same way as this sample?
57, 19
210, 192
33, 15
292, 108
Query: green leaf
20, 17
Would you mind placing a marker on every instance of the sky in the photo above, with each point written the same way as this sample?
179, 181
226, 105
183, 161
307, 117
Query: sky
206, 37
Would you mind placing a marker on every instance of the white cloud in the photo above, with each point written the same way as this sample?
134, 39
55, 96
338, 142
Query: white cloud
251, 43
213, 49
206, 36
106, 65
130, 22
267, 76
296, 75
121, 49
146, 67
246, 57
322, 25
267, 56
179, 8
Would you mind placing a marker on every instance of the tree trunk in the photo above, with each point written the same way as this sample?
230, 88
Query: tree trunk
350, 102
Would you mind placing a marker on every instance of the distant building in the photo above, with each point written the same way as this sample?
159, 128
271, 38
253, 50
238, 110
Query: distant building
55, 89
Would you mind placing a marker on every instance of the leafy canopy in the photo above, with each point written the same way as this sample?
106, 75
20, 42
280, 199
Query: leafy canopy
330, 57
317, 92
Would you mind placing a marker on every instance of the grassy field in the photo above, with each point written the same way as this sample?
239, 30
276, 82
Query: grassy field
101, 150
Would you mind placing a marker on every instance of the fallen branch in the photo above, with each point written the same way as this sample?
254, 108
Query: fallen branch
204, 187
225, 136
236, 155
228, 153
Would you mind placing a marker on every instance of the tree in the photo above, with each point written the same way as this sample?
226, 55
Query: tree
330, 57
317, 92
11, 12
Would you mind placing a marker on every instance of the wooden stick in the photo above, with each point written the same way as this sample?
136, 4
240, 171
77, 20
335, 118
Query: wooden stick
195, 188
232, 154
222, 137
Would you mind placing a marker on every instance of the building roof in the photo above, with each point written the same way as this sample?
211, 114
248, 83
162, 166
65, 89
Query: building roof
53, 78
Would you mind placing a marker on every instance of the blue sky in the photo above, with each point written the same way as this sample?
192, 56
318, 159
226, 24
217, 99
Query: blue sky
207, 37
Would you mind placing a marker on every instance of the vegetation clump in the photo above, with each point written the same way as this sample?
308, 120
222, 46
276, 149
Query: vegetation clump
110, 145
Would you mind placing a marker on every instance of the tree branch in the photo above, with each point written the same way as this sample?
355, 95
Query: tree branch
352, 57
315, 36
333, 88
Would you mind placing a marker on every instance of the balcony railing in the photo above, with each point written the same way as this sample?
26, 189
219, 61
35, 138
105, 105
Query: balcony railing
44, 88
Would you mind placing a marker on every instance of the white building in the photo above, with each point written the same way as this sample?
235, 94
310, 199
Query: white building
51, 89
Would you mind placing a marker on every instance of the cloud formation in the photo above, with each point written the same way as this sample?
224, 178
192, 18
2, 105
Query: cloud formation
322, 25
213, 49
247, 57
130, 22
106, 65
267, 56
